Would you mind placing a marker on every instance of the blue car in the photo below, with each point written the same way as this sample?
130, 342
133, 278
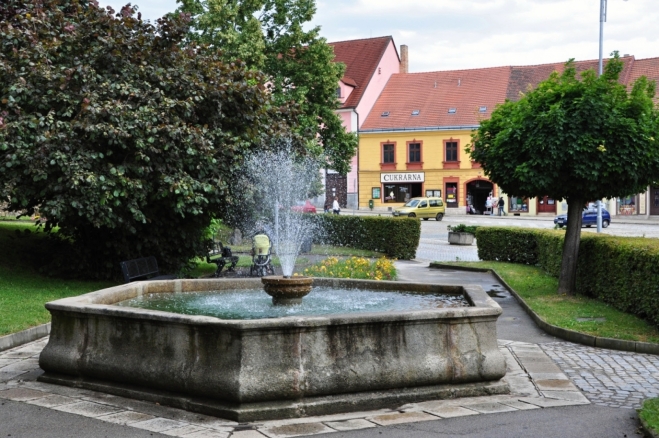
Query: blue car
588, 218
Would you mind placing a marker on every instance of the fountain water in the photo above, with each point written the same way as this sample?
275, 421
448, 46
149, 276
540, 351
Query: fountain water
281, 180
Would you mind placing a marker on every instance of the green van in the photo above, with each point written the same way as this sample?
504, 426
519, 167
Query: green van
424, 208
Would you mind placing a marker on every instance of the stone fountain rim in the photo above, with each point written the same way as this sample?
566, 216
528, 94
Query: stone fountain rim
101, 302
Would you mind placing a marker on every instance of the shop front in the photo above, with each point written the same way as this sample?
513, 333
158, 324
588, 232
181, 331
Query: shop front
400, 187
628, 206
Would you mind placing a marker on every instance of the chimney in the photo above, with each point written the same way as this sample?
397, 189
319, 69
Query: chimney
404, 60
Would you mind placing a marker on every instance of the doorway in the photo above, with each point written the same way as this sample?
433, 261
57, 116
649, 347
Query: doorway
477, 193
546, 205
654, 201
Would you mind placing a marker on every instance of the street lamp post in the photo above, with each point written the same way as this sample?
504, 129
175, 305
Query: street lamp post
603, 8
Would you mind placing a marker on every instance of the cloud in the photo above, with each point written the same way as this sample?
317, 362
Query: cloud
450, 34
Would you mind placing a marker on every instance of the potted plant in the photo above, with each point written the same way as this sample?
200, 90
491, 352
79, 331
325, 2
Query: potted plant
461, 234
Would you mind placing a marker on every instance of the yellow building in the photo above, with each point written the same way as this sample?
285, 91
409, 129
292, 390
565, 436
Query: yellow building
413, 141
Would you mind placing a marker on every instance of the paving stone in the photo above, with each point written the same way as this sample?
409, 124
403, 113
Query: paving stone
158, 424
207, 433
521, 406
489, 408
184, 431
555, 385
5, 362
349, 424
50, 401
247, 434
548, 376
566, 395
450, 411
22, 394
87, 409
6, 376
401, 417
291, 430
547, 402
126, 417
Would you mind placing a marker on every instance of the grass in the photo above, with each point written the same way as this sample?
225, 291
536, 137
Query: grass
649, 413
538, 289
23, 291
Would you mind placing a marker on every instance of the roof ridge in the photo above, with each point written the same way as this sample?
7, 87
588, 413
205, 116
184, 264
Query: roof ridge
447, 71
362, 39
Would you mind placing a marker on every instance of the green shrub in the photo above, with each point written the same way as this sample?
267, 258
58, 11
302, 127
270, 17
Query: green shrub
396, 237
621, 271
514, 245
462, 228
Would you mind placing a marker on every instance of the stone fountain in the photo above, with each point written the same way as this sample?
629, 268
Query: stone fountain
290, 363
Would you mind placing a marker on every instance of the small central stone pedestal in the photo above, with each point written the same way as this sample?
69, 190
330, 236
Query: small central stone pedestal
287, 290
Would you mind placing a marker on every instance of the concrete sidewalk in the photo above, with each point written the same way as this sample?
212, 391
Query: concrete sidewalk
558, 389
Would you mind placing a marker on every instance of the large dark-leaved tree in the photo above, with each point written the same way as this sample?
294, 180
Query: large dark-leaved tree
270, 36
573, 138
124, 138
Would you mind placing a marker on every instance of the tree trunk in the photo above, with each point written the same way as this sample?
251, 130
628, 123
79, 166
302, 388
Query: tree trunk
567, 282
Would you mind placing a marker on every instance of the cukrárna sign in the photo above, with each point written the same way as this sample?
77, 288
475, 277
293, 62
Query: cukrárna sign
400, 177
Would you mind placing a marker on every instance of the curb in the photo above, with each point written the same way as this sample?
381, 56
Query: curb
566, 334
23, 337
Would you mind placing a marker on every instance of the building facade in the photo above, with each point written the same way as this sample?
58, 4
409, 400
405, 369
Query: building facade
415, 140
369, 65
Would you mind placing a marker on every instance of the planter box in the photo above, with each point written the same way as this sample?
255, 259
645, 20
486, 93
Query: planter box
460, 238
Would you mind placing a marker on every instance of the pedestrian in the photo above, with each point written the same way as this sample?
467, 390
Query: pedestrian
501, 204
336, 209
326, 207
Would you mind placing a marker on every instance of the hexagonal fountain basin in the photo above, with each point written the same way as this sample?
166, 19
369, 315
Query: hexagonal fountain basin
250, 369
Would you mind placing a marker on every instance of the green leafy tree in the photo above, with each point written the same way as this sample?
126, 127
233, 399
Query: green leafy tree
123, 137
269, 35
578, 139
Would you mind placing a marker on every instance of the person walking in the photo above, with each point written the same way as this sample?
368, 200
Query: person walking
336, 209
501, 204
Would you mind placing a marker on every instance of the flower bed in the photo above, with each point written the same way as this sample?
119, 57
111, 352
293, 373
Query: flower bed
354, 267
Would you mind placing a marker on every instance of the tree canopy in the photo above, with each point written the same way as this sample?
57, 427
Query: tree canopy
269, 35
574, 138
119, 134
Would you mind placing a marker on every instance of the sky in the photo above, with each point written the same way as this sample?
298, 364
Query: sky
459, 34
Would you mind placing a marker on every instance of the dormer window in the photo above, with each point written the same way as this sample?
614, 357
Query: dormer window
385, 114
452, 110
415, 112
482, 109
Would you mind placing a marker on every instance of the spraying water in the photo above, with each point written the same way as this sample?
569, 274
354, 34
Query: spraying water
281, 180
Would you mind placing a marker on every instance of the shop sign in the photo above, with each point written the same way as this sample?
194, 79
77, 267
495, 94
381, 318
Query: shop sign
402, 177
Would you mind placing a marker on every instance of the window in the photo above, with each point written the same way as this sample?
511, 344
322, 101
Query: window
436, 202
433, 193
415, 112
385, 114
452, 110
451, 151
388, 153
414, 150
423, 204
338, 92
482, 109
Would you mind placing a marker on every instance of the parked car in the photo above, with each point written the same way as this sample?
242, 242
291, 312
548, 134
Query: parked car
424, 208
304, 207
588, 218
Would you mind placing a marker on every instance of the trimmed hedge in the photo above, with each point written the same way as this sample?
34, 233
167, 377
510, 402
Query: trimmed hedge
396, 237
621, 271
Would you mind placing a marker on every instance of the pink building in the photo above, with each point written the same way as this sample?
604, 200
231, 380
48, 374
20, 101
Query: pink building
369, 65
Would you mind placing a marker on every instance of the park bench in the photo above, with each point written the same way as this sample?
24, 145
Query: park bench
221, 256
145, 268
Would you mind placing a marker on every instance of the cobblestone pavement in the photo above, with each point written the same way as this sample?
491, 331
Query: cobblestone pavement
535, 383
607, 377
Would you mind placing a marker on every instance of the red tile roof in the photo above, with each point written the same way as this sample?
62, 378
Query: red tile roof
434, 93
645, 67
361, 58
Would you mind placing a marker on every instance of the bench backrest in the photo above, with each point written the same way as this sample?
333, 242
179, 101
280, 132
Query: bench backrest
144, 267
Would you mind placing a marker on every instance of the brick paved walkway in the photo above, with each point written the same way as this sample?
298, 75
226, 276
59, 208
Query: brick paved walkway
607, 377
